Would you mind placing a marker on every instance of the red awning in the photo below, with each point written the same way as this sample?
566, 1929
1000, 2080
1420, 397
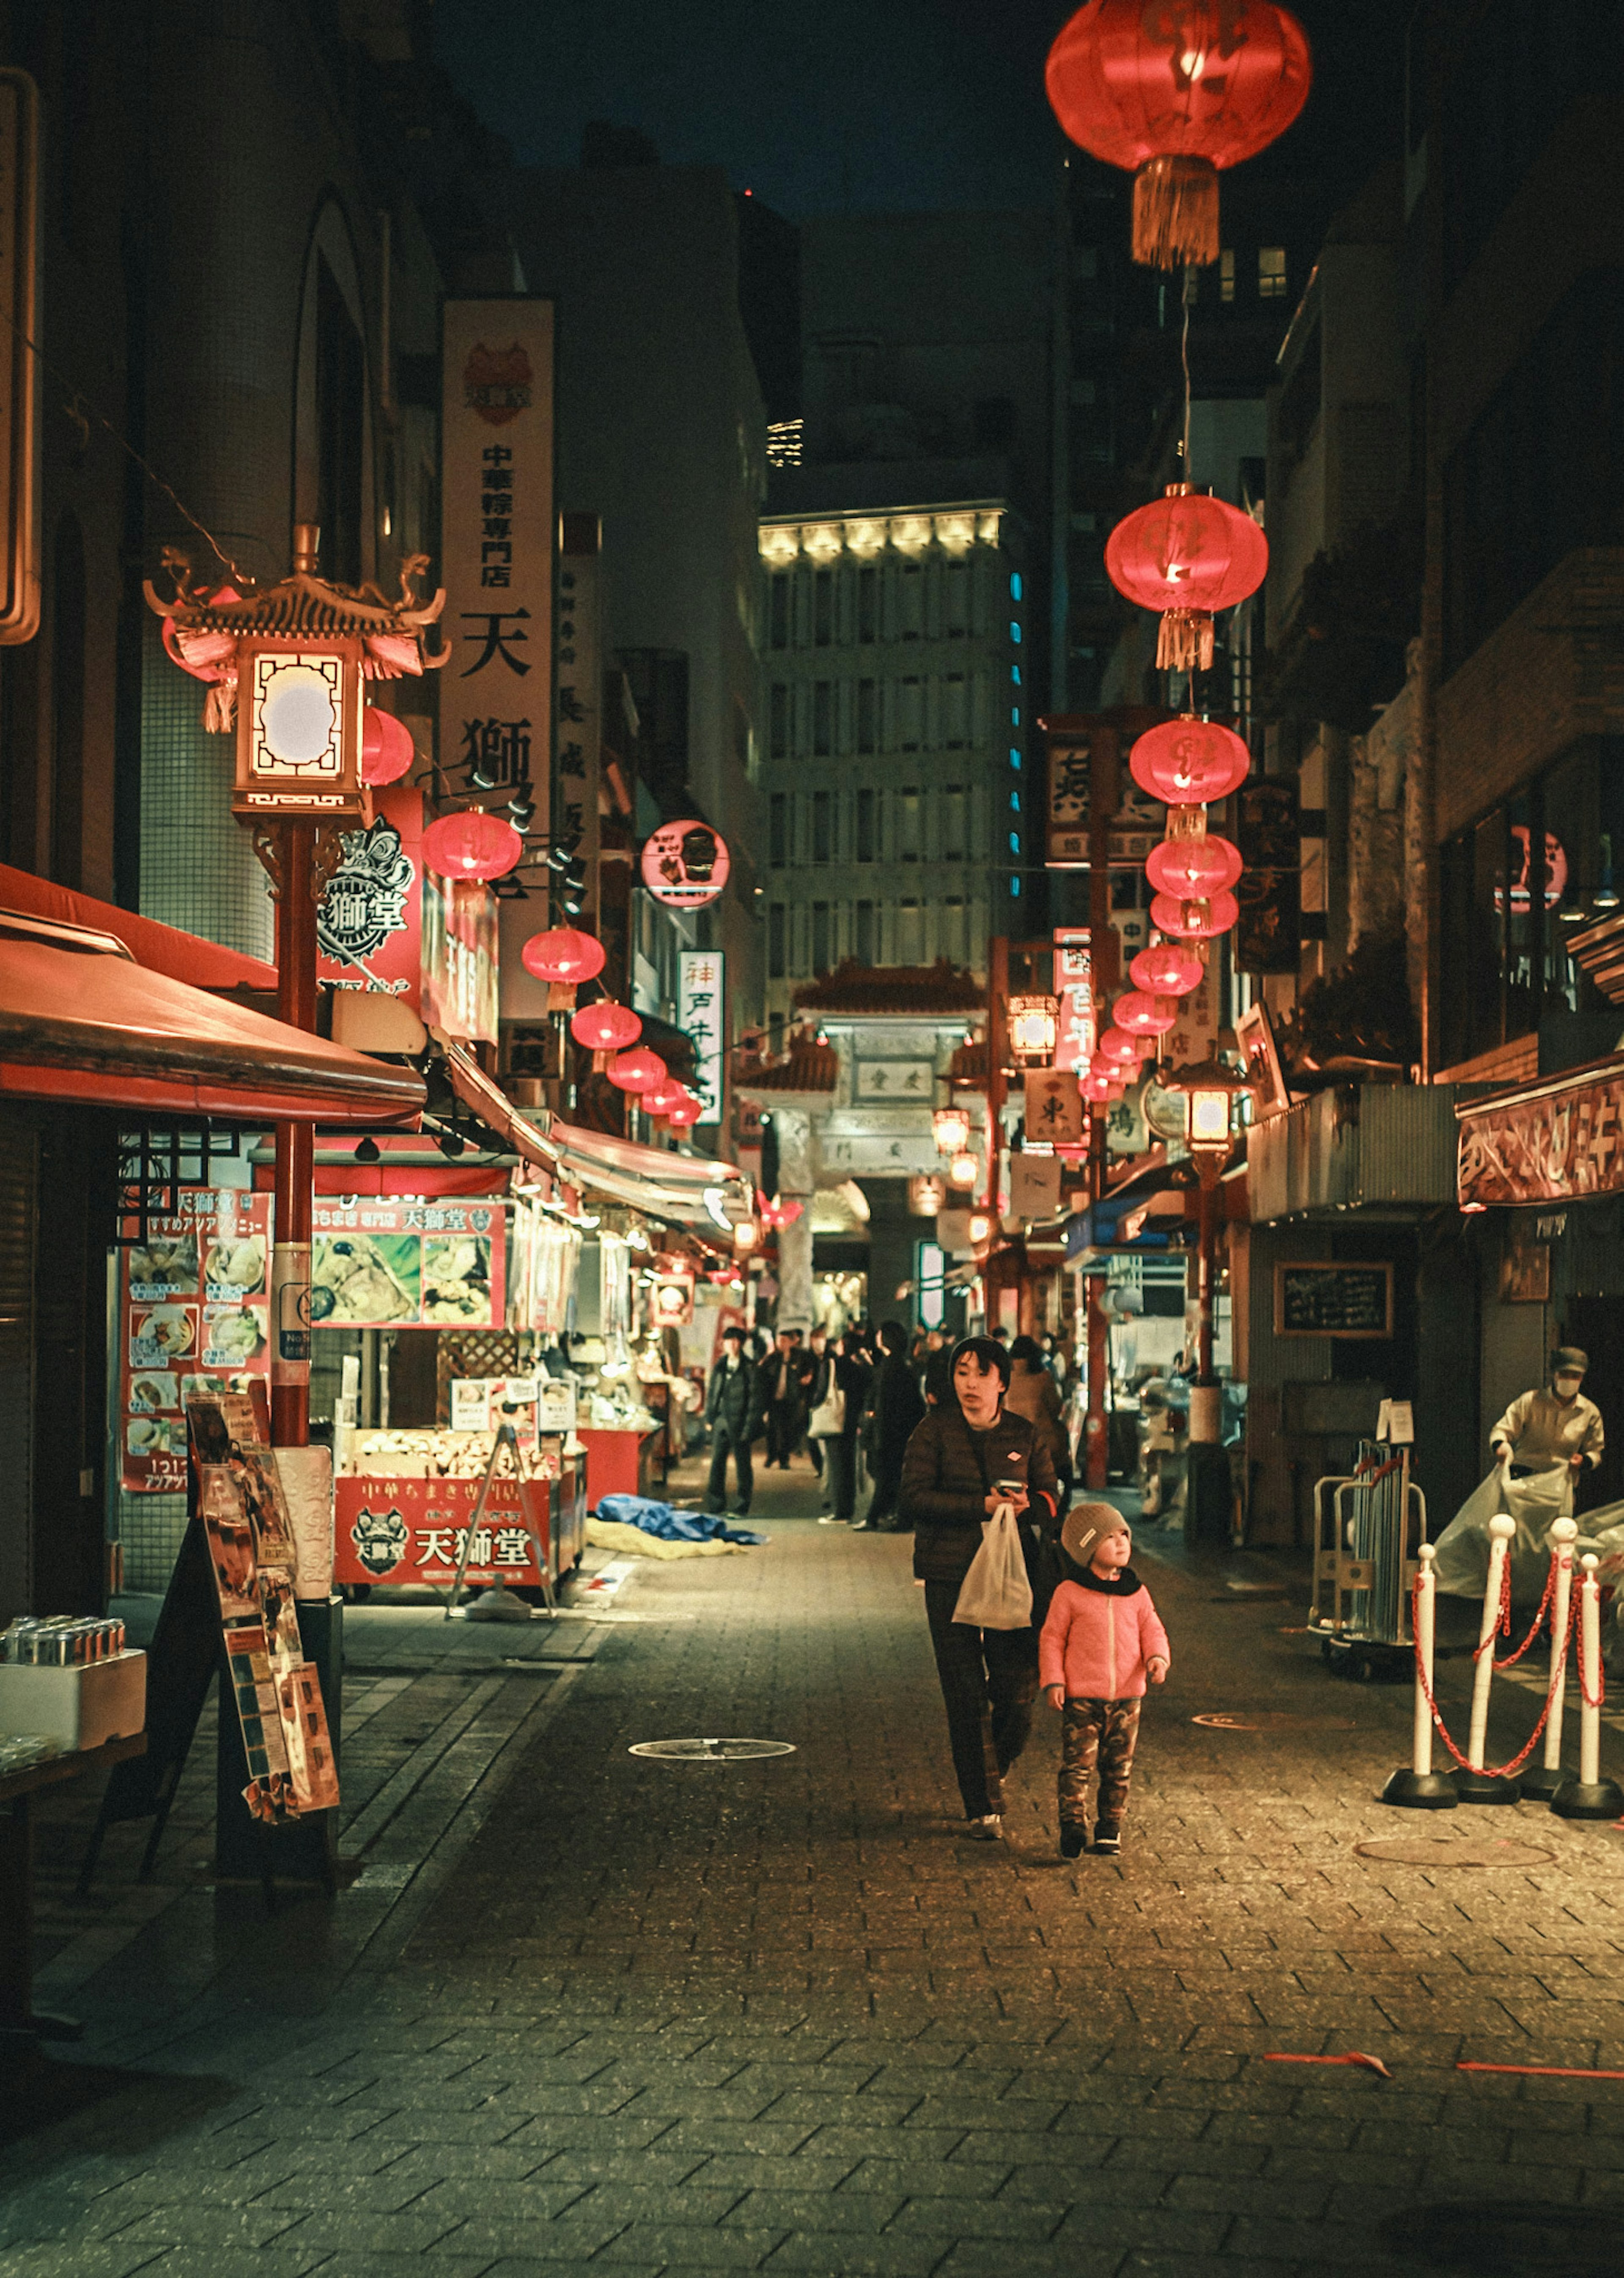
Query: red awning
80, 1020
160, 948
410, 1164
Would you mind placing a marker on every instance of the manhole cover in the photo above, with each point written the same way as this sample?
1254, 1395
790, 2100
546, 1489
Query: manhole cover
709, 1752
1502, 2239
1438, 1851
1270, 1720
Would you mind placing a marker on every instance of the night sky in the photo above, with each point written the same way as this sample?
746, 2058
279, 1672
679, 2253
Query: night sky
821, 106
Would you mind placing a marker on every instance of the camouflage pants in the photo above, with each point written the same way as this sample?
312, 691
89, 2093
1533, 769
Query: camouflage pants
1096, 1735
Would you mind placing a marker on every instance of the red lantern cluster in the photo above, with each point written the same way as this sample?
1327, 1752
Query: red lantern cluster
1173, 93
1185, 555
472, 846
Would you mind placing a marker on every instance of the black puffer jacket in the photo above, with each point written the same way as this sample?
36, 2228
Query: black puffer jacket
944, 1487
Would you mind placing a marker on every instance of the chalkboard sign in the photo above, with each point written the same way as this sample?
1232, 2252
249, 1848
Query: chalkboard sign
1333, 1301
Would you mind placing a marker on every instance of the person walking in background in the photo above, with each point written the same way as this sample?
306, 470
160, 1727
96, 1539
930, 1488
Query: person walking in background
1034, 1395
834, 1423
733, 1411
787, 1375
895, 1406
966, 1458
1102, 1639
817, 1385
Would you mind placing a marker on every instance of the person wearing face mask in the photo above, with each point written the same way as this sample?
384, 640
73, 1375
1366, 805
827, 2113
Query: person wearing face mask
1542, 1431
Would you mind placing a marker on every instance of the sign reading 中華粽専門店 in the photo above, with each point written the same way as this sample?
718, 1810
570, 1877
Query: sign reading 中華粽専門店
496, 561
1567, 1142
700, 1013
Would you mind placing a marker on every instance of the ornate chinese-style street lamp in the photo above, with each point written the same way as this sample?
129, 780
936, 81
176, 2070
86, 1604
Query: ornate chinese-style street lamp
1209, 1087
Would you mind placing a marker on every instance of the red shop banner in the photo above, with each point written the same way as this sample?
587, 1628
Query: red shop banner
400, 1530
1560, 1145
193, 1315
377, 1265
369, 925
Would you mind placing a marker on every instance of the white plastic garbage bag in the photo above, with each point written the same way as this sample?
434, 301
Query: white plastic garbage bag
995, 1593
1536, 1502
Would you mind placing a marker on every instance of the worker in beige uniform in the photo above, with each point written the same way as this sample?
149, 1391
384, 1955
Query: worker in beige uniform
1544, 1431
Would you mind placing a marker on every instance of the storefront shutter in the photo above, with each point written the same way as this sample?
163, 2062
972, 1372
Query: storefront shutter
19, 1226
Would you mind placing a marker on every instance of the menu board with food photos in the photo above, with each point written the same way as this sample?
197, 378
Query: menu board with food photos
194, 1317
379, 1264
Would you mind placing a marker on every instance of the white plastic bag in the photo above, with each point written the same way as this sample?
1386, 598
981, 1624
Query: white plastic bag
995, 1594
1461, 1565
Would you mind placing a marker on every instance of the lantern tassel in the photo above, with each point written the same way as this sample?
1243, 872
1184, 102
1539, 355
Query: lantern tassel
1185, 641
220, 707
1176, 213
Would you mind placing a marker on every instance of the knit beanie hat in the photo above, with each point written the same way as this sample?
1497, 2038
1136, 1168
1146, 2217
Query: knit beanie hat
1087, 1525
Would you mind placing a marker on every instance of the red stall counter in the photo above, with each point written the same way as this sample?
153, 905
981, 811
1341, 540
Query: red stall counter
403, 1530
619, 1462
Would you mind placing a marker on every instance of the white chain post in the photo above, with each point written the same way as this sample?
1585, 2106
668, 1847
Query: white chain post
1590, 1796
1421, 1788
1475, 1785
1541, 1785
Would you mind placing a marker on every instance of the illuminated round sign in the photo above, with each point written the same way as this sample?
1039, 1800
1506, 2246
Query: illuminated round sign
685, 864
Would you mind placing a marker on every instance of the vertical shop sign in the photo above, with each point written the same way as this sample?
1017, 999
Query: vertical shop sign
497, 483
700, 1011
1268, 889
461, 957
581, 698
369, 926
1074, 990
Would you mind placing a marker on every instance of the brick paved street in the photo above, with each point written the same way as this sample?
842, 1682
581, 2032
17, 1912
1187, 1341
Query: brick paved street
783, 2015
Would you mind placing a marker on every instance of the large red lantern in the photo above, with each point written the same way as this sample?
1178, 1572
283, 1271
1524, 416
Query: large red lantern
1117, 1049
1143, 1015
1167, 968
1193, 869
386, 748
1173, 91
1190, 762
565, 954
1186, 554
636, 1071
606, 1026
472, 845
1194, 920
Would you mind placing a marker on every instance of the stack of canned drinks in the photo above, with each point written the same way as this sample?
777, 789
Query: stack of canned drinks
61, 1640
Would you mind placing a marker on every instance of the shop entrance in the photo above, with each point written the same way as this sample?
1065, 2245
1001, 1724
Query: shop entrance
1596, 1325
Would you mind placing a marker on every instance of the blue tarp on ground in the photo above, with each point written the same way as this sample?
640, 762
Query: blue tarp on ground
664, 1519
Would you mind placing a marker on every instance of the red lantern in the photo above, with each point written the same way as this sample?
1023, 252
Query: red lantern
682, 1116
386, 748
564, 954
1099, 1089
660, 1099
606, 1026
1190, 762
1167, 969
1145, 1016
1194, 920
1172, 93
472, 845
1117, 1049
636, 1071
1186, 554
1194, 869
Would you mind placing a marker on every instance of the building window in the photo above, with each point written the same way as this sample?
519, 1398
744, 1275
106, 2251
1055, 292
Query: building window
1226, 274
822, 827
1271, 272
822, 718
868, 604
866, 948
822, 608
777, 829
821, 958
911, 609
776, 960
910, 716
955, 609
953, 930
779, 615
907, 825
910, 932
779, 729
954, 840
865, 827
956, 712
868, 716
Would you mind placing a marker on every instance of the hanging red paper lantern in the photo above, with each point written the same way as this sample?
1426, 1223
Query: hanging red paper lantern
386, 748
1193, 869
1172, 94
636, 1071
563, 953
660, 1099
1185, 555
1197, 920
472, 845
1099, 1091
1117, 1049
1167, 968
682, 1117
606, 1026
1190, 762
1143, 1015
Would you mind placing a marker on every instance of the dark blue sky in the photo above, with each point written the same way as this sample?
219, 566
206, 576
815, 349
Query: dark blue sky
876, 105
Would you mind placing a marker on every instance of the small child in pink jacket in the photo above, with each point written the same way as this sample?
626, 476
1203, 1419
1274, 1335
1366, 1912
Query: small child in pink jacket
1102, 1639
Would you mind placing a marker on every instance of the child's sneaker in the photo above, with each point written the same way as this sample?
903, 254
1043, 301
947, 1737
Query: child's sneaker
1074, 1839
1108, 1836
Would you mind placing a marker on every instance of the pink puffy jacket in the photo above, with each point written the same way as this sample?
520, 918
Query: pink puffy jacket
1096, 1642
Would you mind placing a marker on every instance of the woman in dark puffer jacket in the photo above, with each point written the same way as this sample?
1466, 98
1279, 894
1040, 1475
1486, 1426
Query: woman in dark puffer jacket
951, 1475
